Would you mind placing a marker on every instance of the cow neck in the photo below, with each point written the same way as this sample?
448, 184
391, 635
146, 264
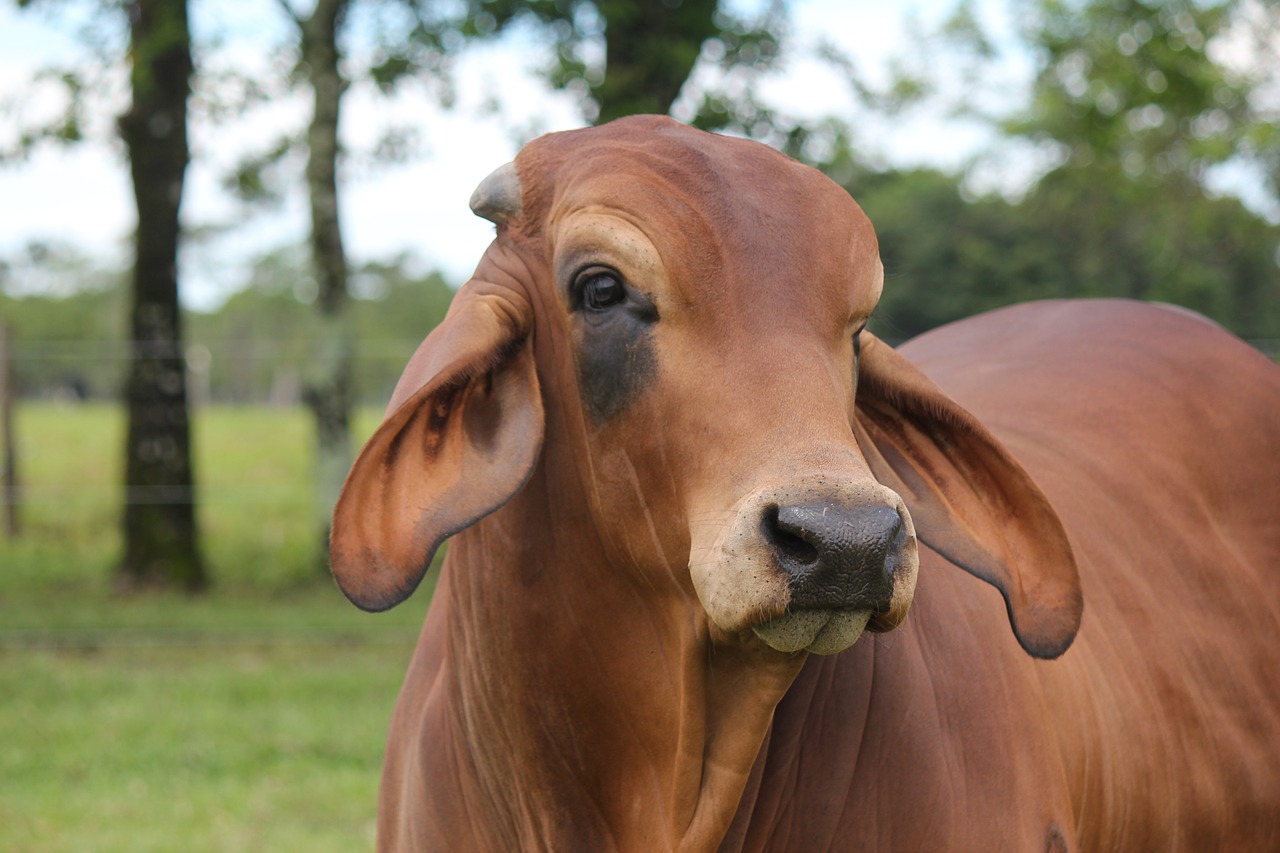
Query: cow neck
594, 711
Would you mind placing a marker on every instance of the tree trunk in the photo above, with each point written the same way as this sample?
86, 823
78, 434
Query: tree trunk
160, 543
650, 49
328, 385
8, 445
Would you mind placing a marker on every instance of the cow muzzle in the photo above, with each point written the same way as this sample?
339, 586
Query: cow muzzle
809, 568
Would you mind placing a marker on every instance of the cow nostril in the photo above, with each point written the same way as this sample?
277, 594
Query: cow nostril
835, 556
789, 545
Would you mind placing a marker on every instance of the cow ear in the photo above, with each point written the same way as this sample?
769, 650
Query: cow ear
461, 436
969, 499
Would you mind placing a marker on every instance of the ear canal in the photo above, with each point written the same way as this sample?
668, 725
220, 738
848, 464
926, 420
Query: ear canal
463, 434
498, 197
968, 497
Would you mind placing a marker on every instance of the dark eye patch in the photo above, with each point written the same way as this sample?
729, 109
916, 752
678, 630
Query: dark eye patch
614, 352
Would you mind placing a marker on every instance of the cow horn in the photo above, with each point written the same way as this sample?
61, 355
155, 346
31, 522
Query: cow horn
497, 199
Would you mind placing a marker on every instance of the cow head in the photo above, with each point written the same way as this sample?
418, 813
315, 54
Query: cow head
682, 316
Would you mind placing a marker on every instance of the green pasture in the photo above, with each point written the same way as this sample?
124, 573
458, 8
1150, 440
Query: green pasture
249, 718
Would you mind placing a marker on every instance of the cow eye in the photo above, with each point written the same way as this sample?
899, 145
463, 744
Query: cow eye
601, 290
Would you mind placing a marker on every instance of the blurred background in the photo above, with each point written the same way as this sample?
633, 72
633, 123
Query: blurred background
225, 225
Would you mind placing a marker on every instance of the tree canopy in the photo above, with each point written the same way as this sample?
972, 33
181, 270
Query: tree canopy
1138, 104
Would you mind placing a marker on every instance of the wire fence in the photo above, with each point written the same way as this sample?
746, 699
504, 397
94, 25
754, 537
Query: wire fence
43, 368
118, 495
33, 351
230, 637
30, 360
251, 370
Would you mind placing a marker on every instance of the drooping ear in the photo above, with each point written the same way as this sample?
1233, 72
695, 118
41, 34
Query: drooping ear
461, 436
969, 499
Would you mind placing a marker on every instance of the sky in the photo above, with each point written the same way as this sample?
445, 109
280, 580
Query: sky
82, 196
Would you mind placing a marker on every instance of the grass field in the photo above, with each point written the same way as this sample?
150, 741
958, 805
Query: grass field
250, 718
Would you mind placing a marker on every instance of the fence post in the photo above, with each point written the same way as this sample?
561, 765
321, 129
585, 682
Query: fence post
8, 452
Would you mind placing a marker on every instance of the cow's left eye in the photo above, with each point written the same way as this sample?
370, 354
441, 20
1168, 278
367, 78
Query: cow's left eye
602, 290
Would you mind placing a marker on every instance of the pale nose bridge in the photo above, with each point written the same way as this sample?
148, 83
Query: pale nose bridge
791, 386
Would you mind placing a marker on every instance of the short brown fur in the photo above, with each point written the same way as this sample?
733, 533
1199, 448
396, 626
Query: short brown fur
572, 689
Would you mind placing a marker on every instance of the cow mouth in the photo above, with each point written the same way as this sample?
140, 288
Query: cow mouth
823, 632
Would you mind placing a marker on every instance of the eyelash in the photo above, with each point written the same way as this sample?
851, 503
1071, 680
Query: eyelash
589, 298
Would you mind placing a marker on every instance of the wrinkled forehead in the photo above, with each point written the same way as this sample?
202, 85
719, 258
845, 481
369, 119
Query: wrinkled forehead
702, 201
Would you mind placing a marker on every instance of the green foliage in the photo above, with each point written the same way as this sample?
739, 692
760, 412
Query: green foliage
259, 342
624, 57
743, 50
1131, 86
67, 317
403, 42
57, 107
947, 258
1139, 107
159, 48
649, 49
943, 258
1167, 242
256, 177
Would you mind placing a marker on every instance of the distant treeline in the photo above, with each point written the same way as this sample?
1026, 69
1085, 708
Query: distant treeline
945, 257
254, 349
1075, 235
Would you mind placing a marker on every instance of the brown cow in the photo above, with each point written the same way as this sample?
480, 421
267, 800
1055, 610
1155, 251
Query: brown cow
639, 420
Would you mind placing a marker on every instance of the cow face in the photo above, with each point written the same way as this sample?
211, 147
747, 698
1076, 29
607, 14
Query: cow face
687, 314
713, 295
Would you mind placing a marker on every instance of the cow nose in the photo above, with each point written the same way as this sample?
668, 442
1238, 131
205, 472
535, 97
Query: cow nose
836, 557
